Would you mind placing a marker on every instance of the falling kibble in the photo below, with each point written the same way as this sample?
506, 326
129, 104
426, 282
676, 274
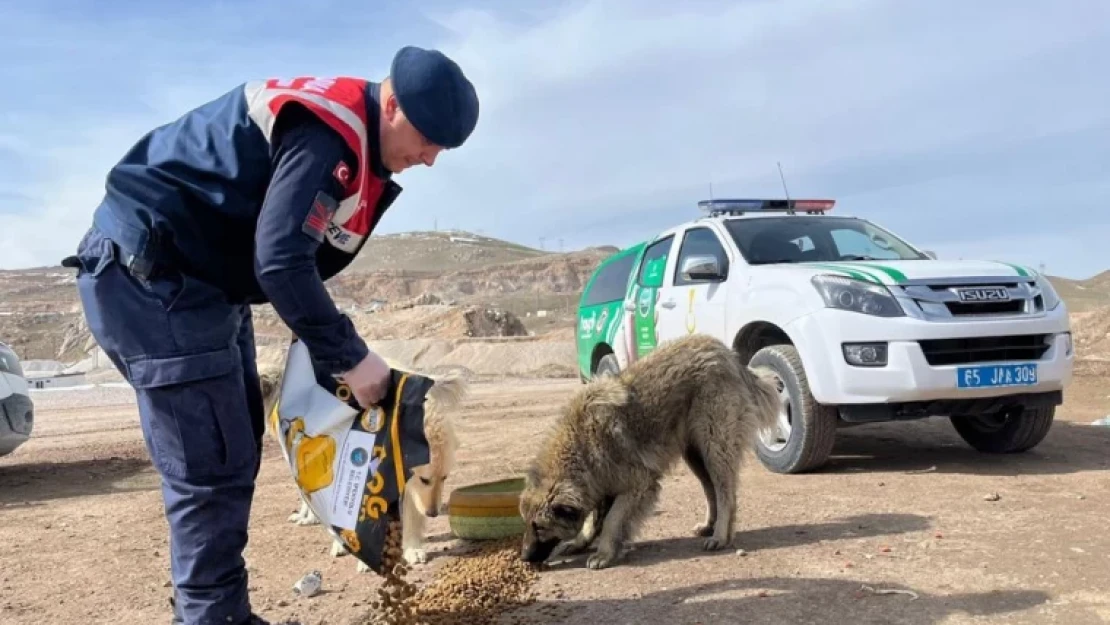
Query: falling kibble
474, 589
392, 606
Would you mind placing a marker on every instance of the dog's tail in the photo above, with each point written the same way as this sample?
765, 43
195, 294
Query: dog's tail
449, 390
270, 380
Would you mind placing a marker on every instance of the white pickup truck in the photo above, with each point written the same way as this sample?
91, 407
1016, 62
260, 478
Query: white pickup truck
857, 324
17, 411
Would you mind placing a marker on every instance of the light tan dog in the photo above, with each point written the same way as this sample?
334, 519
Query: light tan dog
597, 475
424, 492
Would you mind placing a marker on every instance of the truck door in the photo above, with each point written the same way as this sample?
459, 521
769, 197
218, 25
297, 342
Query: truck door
693, 299
644, 299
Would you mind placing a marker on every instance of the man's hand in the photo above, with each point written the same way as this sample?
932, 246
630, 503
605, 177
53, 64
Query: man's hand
368, 380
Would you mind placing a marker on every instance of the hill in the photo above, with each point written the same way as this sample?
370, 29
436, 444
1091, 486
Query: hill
482, 286
1084, 295
468, 277
438, 251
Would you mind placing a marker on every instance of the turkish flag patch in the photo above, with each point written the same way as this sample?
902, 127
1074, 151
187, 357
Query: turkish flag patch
342, 173
319, 216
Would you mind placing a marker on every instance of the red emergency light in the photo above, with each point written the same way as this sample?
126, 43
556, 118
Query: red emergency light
814, 205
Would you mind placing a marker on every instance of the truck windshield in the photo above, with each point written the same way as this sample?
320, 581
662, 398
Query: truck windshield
804, 239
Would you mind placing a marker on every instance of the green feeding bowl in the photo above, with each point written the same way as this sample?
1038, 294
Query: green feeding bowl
487, 510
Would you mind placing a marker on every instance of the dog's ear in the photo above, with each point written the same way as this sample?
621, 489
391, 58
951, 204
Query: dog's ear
532, 476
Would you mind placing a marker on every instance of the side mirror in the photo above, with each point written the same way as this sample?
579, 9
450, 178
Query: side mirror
701, 267
931, 254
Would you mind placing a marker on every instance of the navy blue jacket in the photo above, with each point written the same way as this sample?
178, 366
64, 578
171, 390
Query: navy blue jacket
212, 196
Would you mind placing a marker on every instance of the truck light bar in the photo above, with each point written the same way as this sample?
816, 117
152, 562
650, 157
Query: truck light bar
739, 206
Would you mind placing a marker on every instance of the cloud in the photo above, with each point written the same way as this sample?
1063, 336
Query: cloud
940, 120
851, 97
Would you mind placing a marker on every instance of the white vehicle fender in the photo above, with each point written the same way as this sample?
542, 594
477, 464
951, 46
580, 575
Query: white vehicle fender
778, 302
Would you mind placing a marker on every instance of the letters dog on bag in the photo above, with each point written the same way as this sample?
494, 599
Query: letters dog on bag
350, 464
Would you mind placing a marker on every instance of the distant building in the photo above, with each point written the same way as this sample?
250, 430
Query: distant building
44, 381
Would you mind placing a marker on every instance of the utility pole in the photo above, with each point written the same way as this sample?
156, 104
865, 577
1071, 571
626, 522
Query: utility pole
542, 239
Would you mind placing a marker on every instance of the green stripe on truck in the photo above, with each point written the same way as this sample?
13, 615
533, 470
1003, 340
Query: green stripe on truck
1018, 268
894, 274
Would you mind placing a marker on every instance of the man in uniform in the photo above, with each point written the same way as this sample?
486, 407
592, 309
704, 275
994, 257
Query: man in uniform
257, 196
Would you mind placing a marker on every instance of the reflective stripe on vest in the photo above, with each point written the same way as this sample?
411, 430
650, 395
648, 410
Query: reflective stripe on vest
340, 103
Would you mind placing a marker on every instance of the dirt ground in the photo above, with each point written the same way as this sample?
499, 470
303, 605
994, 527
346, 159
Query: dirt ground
901, 506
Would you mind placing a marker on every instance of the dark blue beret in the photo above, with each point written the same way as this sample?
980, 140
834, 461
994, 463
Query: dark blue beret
436, 97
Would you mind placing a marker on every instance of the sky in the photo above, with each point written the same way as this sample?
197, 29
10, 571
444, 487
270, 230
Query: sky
973, 129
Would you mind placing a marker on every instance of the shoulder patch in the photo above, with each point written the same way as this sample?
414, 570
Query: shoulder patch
323, 208
342, 173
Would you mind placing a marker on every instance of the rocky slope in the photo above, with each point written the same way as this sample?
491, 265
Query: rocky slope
1091, 332
407, 286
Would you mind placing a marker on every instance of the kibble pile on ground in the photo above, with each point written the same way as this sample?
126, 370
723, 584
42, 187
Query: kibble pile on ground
475, 588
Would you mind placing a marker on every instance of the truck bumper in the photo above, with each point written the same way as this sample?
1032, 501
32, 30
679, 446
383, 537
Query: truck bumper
16, 422
924, 359
16, 417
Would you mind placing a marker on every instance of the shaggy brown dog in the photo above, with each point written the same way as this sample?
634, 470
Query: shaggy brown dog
600, 469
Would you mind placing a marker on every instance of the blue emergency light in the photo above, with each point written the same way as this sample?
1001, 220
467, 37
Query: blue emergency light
740, 206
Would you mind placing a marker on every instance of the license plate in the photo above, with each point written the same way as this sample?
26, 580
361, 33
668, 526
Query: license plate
987, 376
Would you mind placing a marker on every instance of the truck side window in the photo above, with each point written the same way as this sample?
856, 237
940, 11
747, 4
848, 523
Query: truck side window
655, 262
611, 283
700, 242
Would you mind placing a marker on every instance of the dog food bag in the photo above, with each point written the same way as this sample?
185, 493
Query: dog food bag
350, 464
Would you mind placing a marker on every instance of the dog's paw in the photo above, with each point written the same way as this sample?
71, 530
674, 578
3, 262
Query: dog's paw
569, 548
304, 519
704, 530
601, 560
338, 549
362, 567
716, 544
416, 556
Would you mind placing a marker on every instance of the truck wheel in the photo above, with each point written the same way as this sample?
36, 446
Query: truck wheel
806, 430
607, 366
1005, 432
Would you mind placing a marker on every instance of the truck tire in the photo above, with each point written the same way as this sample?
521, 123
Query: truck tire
1006, 433
812, 425
607, 366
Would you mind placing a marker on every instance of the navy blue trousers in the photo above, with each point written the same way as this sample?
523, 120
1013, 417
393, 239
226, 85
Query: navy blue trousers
190, 356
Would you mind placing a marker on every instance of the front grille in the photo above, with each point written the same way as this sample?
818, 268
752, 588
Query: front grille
939, 299
940, 352
1012, 307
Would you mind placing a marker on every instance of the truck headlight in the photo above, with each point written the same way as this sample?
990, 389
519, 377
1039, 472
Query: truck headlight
1048, 294
857, 296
